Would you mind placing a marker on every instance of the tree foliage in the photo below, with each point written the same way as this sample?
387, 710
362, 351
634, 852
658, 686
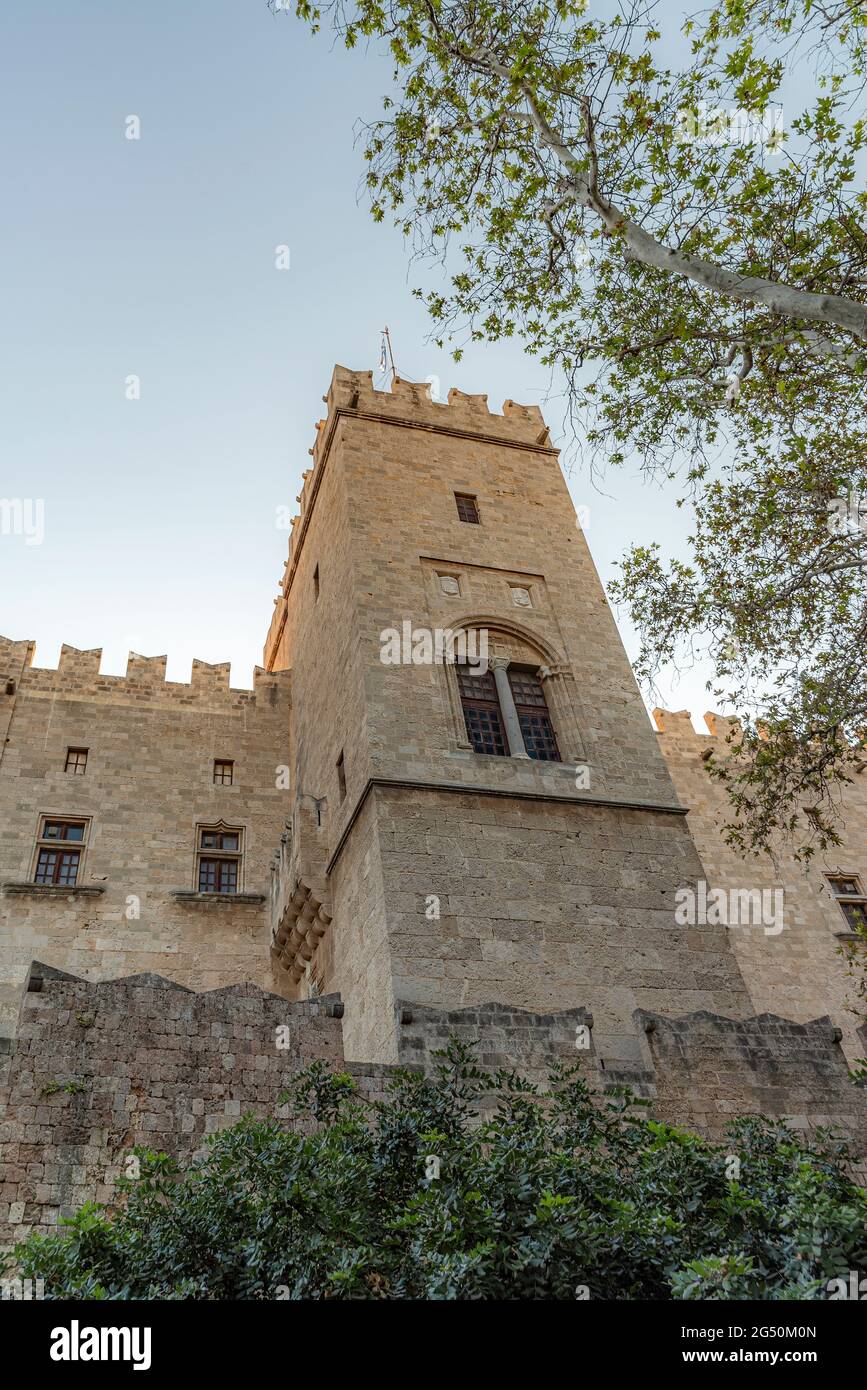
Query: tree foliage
552, 1194
667, 211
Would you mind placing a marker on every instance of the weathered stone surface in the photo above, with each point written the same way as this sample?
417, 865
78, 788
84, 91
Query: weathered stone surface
97, 1068
708, 1069
100, 1067
799, 972
148, 784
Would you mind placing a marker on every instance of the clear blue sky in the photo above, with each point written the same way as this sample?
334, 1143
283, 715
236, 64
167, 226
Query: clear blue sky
156, 258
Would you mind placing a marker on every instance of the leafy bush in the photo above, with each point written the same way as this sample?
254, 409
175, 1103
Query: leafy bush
552, 1194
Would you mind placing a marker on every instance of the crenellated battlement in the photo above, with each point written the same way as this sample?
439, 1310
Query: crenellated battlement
78, 675
412, 402
677, 730
678, 725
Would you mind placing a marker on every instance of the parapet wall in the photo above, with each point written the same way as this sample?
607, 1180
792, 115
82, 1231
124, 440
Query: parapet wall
77, 676
505, 1037
98, 1068
709, 1069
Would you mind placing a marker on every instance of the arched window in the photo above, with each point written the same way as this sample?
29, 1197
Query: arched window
510, 693
506, 713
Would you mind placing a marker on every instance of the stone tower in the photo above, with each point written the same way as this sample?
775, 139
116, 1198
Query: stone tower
420, 869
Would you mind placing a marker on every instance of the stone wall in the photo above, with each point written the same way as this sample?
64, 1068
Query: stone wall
548, 907
502, 1037
423, 883
708, 1069
148, 784
97, 1068
100, 1067
800, 971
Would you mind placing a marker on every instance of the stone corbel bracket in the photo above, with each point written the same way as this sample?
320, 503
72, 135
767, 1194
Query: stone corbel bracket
304, 922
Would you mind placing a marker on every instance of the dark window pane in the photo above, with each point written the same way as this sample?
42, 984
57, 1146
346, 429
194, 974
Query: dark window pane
218, 875
56, 867
220, 839
467, 509
67, 869
45, 866
845, 887
856, 915
526, 689
62, 830
485, 729
476, 687
539, 739
482, 712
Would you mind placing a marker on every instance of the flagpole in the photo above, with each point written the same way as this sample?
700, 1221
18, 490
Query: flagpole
387, 336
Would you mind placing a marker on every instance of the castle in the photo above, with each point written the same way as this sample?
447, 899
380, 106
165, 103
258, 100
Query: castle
379, 840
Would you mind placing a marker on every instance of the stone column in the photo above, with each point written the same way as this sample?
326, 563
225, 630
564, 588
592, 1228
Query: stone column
499, 666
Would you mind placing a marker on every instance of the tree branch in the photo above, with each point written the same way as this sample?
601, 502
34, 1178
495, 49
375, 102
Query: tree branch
639, 245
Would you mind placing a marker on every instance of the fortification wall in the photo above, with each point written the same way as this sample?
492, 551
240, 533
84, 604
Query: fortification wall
798, 972
149, 782
98, 1068
707, 1070
502, 1037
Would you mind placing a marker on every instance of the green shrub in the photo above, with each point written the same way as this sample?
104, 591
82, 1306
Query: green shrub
550, 1195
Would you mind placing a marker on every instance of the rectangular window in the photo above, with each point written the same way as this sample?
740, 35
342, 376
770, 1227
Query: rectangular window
223, 772
539, 738
76, 761
467, 508
218, 876
59, 850
62, 830
482, 712
316, 585
219, 859
341, 777
850, 897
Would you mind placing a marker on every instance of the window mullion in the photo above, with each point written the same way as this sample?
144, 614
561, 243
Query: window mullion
514, 732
